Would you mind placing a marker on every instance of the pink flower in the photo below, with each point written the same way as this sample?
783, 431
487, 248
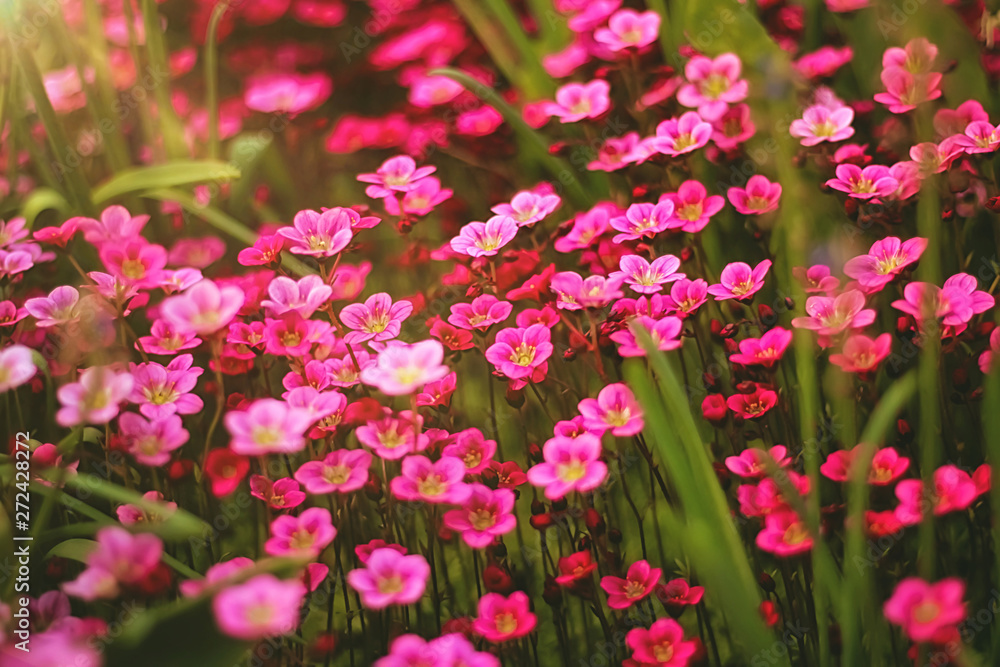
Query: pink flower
917, 57
712, 85
823, 62
575, 292
94, 399
954, 304
752, 405
764, 351
829, 316
647, 278
872, 181
642, 221
734, 128
752, 463
886, 259
639, 581
438, 393
16, 367
484, 516
665, 333
518, 352
986, 358
377, 319
484, 239
662, 644
135, 261
263, 606
905, 90
980, 137
934, 158
479, 122
430, 91
576, 101
60, 307
304, 296
820, 123
10, 314
116, 225
886, 467
204, 308
927, 612
449, 650
784, 534
861, 354
484, 311
321, 234
397, 174
816, 279
120, 559
440, 482
692, 206
571, 464
587, 228
686, 296
287, 92
282, 494
472, 448
739, 281
677, 136
529, 207
628, 29
151, 442
419, 201
342, 470
389, 578
131, 515
164, 339
502, 619
162, 391
393, 438
954, 490
304, 535
402, 369
615, 153
267, 426
615, 408
759, 196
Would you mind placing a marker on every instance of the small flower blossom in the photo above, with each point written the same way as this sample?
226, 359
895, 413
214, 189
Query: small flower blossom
265, 250
304, 535
752, 463
872, 181
439, 482
397, 174
263, 606
784, 535
886, 466
628, 29
861, 354
60, 307
94, 398
517, 352
401, 369
164, 339
645, 277
927, 612
485, 515
320, 234
638, 583
577, 101
16, 367
615, 408
419, 201
642, 221
472, 448
820, 123
282, 494
502, 619
390, 578
752, 405
904, 91
571, 464
692, 206
662, 644
485, 239
677, 136
152, 441
341, 471
576, 292
392, 438
712, 85
484, 311
829, 316
287, 92
161, 391
267, 426
204, 308
886, 259
739, 281
664, 332
377, 319
120, 559
953, 491
979, 137
763, 351
759, 196
304, 296
528, 207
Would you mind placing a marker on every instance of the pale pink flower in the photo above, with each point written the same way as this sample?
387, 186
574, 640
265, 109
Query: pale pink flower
60, 307
267, 426
204, 308
577, 101
529, 207
927, 612
575, 292
16, 367
712, 85
886, 259
917, 57
287, 92
304, 535
421, 200
116, 225
645, 277
263, 606
934, 158
980, 137
502, 619
485, 239
665, 333
872, 181
752, 463
304, 296
449, 650
571, 464
764, 351
439, 482
389, 578
639, 582
820, 123
955, 304
948, 122
615, 153
692, 206
485, 515
393, 437
642, 221
402, 369
377, 319
829, 316
518, 352
164, 339
397, 174
130, 515
861, 354
321, 234
759, 196
484, 311
739, 281
677, 136
165, 390
905, 90
151, 442
120, 559
472, 448
615, 408
342, 470
816, 279
628, 29
94, 399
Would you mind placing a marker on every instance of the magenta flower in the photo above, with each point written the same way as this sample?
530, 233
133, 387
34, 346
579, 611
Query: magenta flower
571, 464
686, 296
402, 369
665, 333
484, 516
120, 559
263, 606
712, 85
954, 304
342, 470
816, 279
421, 200
662, 644
518, 352
389, 578
320, 234
164, 339
267, 426
872, 181
752, 462
397, 174
472, 448
861, 354
485, 239
886, 259
628, 29
587, 228
784, 534
304, 535
575, 292
130, 515
161, 391
391, 437
135, 261
764, 351
502, 619
94, 398
16, 367
116, 225
151, 442
954, 490
451, 649
281, 494
287, 92
645, 277
304, 296
678, 136
440, 482
639, 581
820, 123
204, 308
692, 206
615, 408
905, 90
292, 336
484, 311
979, 137
759, 196
927, 612
60, 307
886, 467
829, 316
739, 281
934, 158
823, 62
528, 207
642, 221
576, 101
377, 319
10, 314
754, 404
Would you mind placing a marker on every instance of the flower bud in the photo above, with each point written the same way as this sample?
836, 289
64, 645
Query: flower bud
765, 313
514, 397
537, 507
552, 593
323, 646
541, 521
594, 521
497, 580
615, 536
686, 255
766, 582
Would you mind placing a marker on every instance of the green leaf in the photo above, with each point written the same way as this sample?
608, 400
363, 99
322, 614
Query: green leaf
169, 175
43, 199
75, 549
